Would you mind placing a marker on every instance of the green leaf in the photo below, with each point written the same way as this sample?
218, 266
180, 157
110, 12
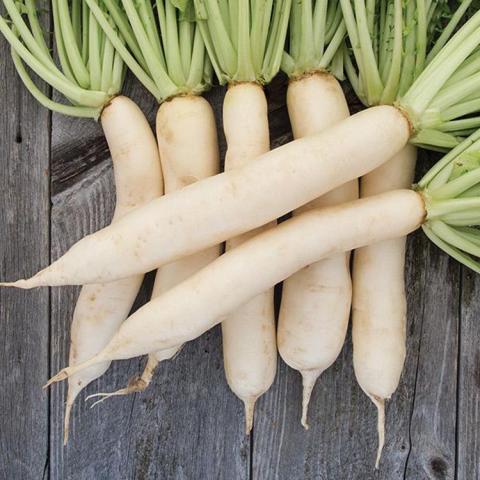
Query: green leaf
180, 4
465, 163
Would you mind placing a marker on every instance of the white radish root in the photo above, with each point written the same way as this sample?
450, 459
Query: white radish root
249, 343
188, 145
253, 267
101, 308
379, 303
226, 205
316, 301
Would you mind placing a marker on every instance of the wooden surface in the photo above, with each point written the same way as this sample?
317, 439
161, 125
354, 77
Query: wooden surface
56, 186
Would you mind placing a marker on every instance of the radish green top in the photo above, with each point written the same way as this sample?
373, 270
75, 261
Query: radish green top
451, 190
398, 57
90, 71
165, 50
315, 41
244, 38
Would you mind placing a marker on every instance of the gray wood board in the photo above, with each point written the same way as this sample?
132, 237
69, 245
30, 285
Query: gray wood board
24, 249
188, 425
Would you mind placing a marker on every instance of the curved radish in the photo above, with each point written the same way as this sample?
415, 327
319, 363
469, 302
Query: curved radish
187, 140
316, 301
245, 271
101, 308
249, 343
212, 210
379, 302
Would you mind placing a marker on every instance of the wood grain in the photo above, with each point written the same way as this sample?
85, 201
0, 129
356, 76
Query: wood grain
432, 425
24, 249
188, 425
468, 387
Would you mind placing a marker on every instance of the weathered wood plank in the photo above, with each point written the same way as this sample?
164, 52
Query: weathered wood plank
433, 420
24, 249
187, 424
431, 453
468, 415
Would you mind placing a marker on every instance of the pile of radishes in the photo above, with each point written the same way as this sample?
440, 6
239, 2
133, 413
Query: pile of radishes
414, 63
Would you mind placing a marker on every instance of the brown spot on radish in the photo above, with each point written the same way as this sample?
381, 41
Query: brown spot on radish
439, 467
92, 297
167, 134
188, 180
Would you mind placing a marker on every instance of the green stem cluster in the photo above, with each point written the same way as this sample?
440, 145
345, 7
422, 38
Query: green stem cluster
451, 190
90, 71
166, 51
399, 57
452, 112
443, 101
389, 43
244, 38
316, 38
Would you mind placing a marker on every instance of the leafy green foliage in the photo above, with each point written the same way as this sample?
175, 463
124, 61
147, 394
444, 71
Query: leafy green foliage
388, 43
414, 55
465, 163
244, 38
451, 190
165, 47
316, 35
443, 103
90, 71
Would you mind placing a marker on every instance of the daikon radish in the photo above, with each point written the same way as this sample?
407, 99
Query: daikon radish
101, 308
379, 302
249, 343
316, 301
400, 37
212, 210
184, 161
245, 47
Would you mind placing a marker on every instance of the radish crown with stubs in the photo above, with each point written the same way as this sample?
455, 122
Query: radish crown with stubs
244, 38
89, 72
451, 190
316, 39
164, 48
400, 53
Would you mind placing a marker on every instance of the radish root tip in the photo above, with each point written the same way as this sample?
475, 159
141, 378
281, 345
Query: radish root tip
66, 423
135, 385
61, 375
380, 404
309, 377
249, 412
